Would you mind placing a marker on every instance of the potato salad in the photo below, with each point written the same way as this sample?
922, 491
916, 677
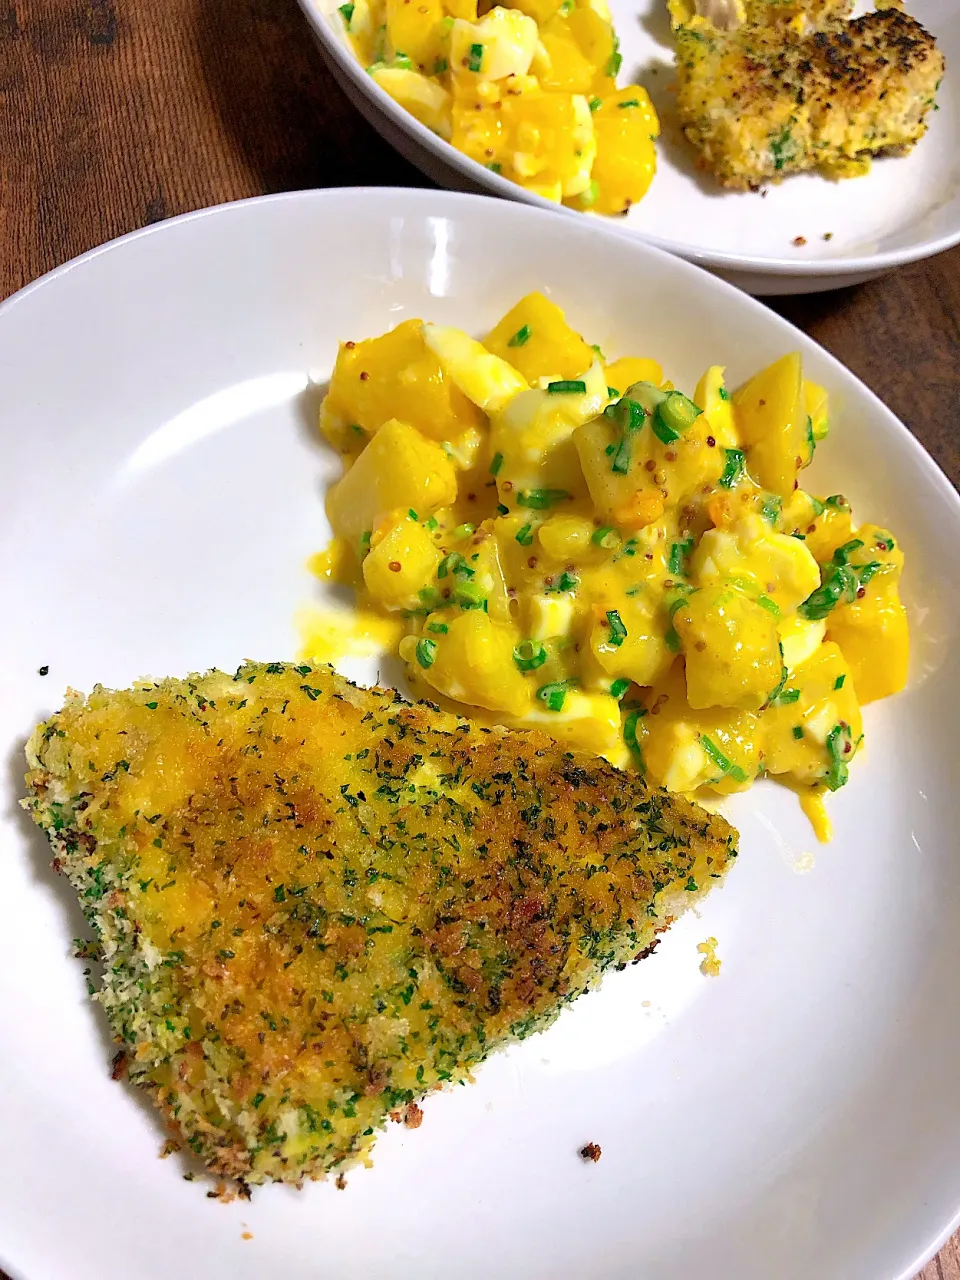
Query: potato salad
573, 543
529, 90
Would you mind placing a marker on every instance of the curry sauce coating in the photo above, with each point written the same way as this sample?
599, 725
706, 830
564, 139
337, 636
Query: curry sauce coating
762, 102
316, 903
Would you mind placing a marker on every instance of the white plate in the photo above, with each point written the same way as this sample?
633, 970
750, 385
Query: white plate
797, 1117
907, 208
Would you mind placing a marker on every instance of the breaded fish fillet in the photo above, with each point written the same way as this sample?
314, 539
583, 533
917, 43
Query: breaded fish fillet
316, 903
763, 101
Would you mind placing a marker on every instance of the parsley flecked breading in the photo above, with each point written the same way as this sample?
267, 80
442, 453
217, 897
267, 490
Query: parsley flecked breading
317, 903
766, 99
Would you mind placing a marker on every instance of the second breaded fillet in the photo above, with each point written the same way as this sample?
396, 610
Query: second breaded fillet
316, 903
762, 101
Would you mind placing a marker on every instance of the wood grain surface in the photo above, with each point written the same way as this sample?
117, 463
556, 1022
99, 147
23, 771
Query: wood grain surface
119, 113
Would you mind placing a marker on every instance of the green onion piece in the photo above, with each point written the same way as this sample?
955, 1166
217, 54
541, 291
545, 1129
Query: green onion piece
615, 61
733, 470
463, 531
412, 514
866, 571
469, 595
838, 502
438, 628
607, 537
541, 499
365, 541
529, 654
672, 639
496, 464
495, 167
525, 535
784, 697
811, 439
440, 66
673, 415
346, 13
798, 731
628, 414
771, 606
840, 582
520, 337
818, 506
630, 736
432, 523
455, 564
621, 456
838, 683
724, 393
566, 582
842, 554
426, 652
504, 511
840, 750
619, 688
726, 766
630, 102
771, 508
613, 393
594, 103
567, 387
678, 554
596, 351
618, 632
553, 694
475, 60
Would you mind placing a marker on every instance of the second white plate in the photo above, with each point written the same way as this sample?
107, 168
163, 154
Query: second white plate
906, 209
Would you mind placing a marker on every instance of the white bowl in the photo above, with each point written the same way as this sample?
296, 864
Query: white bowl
906, 209
162, 487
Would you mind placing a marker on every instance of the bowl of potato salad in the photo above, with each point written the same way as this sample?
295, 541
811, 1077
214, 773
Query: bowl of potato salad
571, 542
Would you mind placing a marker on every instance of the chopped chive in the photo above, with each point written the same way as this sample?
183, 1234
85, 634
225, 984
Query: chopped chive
494, 167
455, 564
594, 103
463, 531
784, 697
438, 628
529, 654
771, 606
838, 502
412, 514
426, 652
673, 415
607, 537
734, 468
724, 393
817, 505
566, 582
811, 439
726, 766
440, 66
475, 60
502, 510
838, 683
496, 464
770, 510
615, 61
525, 535
839, 745
522, 335
469, 595
618, 632
567, 387
619, 688
630, 102
613, 393
678, 554
541, 499
672, 639
621, 456
630, 736
346, 13
553, 694
798, 731
432, 523
842, 554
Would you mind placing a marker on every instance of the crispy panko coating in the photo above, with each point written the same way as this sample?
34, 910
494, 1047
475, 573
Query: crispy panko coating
317, 903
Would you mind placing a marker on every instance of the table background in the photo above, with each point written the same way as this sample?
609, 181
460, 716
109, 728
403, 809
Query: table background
119, 113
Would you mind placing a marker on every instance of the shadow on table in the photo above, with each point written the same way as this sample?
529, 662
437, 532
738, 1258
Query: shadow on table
280, 107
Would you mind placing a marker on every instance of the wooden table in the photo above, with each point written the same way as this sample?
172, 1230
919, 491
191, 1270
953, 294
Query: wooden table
118, 113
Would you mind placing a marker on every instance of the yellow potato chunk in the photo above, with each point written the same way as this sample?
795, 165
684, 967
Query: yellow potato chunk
814, 727
630, 640
400, 564
576, 51
684, 749
625, 126
764, 563
771, 414
399, 468
875, 640
500, 44
472, 663
535, 338
393, 376
731, 647
483, 378
717, 407
414, 28
627, 370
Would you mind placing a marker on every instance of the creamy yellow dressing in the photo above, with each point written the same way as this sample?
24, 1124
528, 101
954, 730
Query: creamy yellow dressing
567, 542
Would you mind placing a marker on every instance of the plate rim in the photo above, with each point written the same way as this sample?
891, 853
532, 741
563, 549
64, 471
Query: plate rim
429, 200
833, 268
